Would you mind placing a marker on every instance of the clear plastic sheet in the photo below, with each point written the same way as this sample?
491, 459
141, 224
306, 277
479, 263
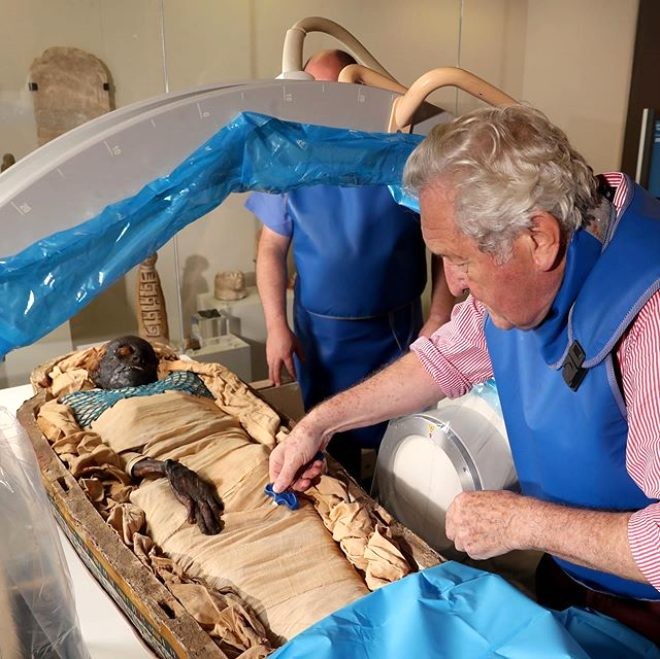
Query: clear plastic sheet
484, 399
37, 610
403, 198
54, 278
488, 391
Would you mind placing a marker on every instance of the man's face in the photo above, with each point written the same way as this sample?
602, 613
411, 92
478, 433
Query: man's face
514, 293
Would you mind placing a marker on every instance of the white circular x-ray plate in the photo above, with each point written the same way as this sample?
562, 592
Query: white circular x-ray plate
426, 459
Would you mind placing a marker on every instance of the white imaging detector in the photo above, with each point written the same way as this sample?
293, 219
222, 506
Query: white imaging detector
426, 459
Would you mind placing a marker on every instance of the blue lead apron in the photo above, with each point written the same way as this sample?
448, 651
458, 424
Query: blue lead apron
361, 265
569, 446
358, 254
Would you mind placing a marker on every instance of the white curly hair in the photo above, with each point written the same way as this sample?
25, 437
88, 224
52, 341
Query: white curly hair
505, 163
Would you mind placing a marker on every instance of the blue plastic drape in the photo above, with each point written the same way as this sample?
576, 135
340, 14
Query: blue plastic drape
56, 277
453, 611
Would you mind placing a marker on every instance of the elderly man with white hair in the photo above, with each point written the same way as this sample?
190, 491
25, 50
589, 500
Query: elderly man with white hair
562, 270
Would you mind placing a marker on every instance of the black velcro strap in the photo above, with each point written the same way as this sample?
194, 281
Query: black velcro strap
571, 369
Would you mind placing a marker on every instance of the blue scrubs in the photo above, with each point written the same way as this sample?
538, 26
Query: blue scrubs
361, 265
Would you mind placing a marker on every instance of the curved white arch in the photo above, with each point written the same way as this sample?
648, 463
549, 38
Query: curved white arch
75, 176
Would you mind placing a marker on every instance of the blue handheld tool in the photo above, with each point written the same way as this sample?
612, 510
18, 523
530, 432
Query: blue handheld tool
288, 498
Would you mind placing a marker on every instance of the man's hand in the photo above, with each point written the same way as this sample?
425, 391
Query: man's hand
198, 497
281, 345
291, 464
485, 524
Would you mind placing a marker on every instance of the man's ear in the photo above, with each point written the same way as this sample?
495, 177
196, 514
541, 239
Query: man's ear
546, 240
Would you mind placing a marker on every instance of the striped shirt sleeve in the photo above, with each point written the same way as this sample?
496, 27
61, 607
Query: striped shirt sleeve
456, 356
639, 360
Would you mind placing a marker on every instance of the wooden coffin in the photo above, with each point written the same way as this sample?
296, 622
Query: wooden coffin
156, 614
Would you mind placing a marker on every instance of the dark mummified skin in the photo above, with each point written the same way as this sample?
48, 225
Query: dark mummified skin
130, 361
200, 499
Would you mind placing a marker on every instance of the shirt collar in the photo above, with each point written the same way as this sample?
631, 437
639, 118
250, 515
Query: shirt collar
623, 189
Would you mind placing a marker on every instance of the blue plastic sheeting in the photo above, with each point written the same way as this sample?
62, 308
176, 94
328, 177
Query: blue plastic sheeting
457, 612
401, 196
53, 279
488, 391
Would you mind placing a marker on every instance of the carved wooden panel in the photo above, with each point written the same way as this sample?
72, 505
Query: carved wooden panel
152, 314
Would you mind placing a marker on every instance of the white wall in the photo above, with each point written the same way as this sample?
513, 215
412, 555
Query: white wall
578, 59
493, 45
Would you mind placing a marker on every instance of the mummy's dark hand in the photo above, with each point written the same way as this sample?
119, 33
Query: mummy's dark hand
199, 498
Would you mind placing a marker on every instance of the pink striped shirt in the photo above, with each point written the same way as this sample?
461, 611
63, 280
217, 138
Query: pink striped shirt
457, 358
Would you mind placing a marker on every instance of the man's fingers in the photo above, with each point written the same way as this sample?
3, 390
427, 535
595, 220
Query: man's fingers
301, 484
308, 475
290, 366
286, 473
289, 468
449, 524
274, 372
275, 462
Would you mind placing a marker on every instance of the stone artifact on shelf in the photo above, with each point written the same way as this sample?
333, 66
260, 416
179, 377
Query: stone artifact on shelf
230, 285
8, 160
69, 87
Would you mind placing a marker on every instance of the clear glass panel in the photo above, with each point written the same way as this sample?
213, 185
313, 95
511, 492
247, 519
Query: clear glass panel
205, 43
151, 46
125, 37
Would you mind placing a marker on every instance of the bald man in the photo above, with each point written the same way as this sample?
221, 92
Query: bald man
361, 269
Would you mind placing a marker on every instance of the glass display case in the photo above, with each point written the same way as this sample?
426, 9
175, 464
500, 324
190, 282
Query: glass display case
147, 48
